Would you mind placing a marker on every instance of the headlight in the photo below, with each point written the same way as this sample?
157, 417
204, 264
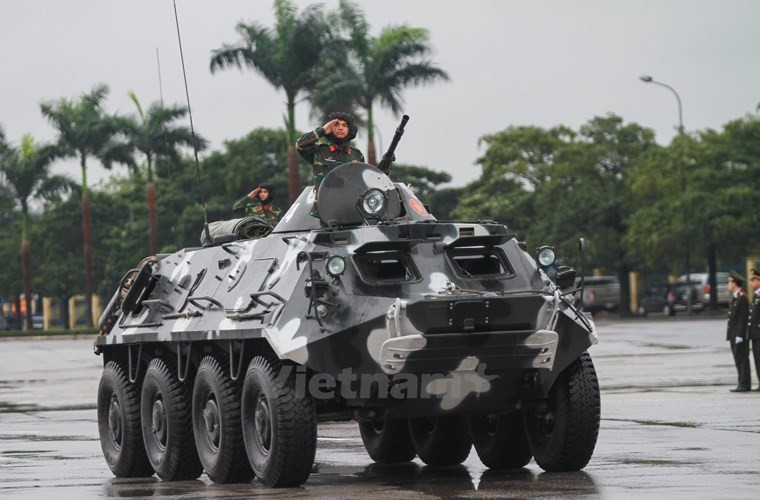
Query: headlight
546, 256
373, 202
336, 265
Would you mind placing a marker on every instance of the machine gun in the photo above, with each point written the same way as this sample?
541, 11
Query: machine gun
390, 155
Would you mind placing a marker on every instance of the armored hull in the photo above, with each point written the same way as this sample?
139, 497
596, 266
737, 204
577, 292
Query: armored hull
433, 335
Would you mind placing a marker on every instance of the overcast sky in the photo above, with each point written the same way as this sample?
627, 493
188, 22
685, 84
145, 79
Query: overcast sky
511, 63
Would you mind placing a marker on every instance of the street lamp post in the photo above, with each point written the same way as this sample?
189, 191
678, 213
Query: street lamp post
649, 79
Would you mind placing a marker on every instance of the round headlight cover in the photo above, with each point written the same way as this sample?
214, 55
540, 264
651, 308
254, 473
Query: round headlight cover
373, 202
546, 256
336, 265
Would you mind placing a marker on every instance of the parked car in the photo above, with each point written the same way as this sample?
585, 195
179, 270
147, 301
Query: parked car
11, 323
38, 321
600, 293
655, 299
700, 290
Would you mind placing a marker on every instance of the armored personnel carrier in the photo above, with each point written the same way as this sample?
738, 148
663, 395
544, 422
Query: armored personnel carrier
434, 336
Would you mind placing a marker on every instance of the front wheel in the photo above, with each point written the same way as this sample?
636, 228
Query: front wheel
279, 425
562, 431
119, 424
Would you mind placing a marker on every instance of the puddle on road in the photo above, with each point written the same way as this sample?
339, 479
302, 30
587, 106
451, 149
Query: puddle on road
653, 462
688, 425
40, 438
31, 408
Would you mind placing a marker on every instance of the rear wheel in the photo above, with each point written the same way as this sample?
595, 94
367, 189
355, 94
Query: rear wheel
119, 424
387, 441
167, 426
500, 440
279, 425
562, 431
216, 424
441, 440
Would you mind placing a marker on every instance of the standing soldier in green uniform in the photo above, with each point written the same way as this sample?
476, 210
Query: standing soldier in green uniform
328, 146
736, 333
753, 324
259, 203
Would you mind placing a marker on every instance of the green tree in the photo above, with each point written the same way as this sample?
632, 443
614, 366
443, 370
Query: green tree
285, 56
517, 165
59, 253
587, 195
86, 131
258, 157
423, 180
375, 70
156, 135
27, 173
723, 185
10, 282
554, 186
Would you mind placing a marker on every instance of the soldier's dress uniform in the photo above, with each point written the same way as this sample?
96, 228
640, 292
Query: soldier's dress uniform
753, 328
324, 154
738, 312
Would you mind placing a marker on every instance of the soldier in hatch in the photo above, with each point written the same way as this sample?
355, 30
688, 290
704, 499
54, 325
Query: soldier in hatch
258, 203
328, 146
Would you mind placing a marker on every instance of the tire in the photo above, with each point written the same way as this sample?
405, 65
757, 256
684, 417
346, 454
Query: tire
441, 440
500, 440
563, 434
642, 311
216, 424
167, 425
119, 424
279, 425
388, 441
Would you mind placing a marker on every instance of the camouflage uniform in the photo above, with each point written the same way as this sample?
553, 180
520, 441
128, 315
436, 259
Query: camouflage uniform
324, 155
253, 206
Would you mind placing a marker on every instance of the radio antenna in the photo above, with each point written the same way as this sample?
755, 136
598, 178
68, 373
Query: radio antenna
192, 129
166, 143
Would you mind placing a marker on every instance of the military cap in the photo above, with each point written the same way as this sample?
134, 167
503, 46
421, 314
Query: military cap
738, 278
753, 273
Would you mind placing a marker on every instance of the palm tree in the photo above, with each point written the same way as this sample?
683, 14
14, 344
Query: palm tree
377, 69
27, 174
156, 137
85, 131
286, 56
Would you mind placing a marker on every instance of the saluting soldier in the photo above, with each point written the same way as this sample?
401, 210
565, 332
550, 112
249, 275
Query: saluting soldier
259, 203
328, 146
736, 333
753, 324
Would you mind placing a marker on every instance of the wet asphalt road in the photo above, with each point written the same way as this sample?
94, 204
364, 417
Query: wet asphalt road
670, 429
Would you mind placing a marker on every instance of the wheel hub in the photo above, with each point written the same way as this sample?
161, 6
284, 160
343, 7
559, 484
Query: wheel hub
211, 420
262, 419
378, 424
114, 420
158, 421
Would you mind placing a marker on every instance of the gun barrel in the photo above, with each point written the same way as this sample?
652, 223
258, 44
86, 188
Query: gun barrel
390, 156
